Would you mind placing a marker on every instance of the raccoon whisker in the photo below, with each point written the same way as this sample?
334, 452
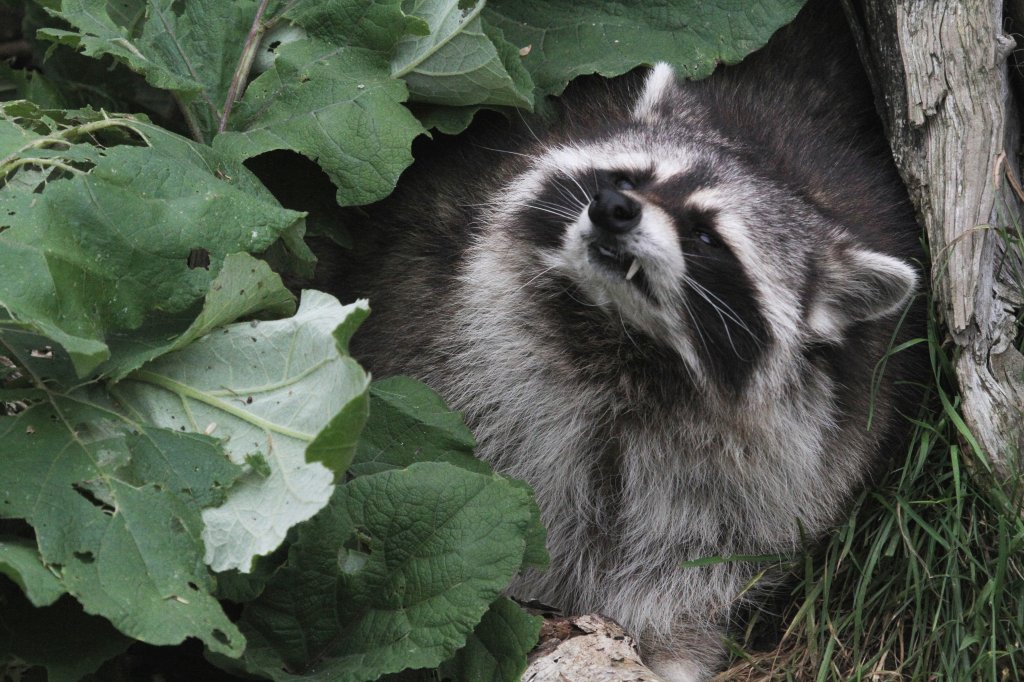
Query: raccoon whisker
696, 327
729, 311
586, 194
489, 204
567, 193
526, 124
625, 330
505, 151
560, 214
723, 315
574, 200
552, 204
717, 303
568, 291
534, 278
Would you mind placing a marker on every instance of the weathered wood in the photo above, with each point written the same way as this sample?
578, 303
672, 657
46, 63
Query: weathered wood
588, 648
940, 68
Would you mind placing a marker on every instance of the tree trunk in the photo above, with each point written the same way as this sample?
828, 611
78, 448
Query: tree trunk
940, 72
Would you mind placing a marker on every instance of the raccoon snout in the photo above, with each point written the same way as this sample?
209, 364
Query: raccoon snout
614, 212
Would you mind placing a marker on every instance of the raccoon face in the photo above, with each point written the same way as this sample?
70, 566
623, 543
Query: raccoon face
666, 230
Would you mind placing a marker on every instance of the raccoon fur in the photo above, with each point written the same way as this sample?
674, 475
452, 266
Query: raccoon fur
663, 309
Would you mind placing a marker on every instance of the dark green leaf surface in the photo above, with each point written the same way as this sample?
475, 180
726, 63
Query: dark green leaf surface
338, 106
436, 544
127, 549
460, 61
244, 286
20, 561
496, 651
410, 423
190, 48
101, 243
610, 37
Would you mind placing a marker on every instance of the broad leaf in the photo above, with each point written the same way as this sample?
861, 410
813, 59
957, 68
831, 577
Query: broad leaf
267, 389
338, 106
496, 651
243, 287
191, 48
436, 545
460, 61
610, 37
409, 423
102, 242
20, 561
127, 546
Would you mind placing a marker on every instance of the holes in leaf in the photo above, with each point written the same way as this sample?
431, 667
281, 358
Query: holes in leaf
198, 258
192, 586
83, 489
351, 561
221, 637
85, 557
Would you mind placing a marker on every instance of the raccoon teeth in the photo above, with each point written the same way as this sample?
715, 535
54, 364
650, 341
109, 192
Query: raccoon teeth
633, 269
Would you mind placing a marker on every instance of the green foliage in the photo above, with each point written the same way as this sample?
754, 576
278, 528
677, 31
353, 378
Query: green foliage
175, 433
417, 582
601, 36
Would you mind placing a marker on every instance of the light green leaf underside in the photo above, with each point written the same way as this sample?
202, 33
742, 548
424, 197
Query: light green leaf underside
267, 389
459, 62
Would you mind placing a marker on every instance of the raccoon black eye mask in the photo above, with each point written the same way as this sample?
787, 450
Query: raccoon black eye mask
663, 311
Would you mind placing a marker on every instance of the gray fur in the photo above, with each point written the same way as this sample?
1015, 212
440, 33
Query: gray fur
641, 456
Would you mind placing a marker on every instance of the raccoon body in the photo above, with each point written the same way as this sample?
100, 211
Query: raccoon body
664, 310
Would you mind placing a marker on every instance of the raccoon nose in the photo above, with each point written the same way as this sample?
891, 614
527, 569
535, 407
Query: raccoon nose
614, 212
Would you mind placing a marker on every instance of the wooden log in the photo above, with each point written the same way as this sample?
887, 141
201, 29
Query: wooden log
939, 68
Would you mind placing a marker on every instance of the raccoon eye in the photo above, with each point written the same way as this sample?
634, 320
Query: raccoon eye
707, 238
622, 182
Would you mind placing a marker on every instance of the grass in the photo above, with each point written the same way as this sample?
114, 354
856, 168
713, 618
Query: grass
924, 582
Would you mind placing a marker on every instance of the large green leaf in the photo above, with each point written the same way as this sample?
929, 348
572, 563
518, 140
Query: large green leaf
267, 389
99, 241
20, 561
191, 48
409, 423
610, 37
496, 651
338, 106
243, 286
460, 61
117, 516
394, 574
371, 24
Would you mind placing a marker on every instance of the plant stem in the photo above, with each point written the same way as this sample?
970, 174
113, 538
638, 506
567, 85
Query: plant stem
190, 119
241, 75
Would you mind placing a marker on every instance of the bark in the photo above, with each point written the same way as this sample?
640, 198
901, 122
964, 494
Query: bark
940, 72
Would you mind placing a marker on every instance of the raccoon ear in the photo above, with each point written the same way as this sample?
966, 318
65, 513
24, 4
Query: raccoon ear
655, 100
857, 285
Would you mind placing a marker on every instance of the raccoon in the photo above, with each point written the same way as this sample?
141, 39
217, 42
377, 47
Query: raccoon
663, 308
